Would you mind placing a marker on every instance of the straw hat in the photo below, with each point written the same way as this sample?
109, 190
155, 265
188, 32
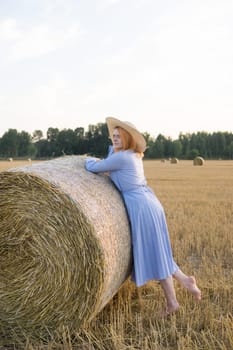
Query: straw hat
112, 123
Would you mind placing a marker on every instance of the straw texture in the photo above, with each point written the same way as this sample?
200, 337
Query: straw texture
65, 247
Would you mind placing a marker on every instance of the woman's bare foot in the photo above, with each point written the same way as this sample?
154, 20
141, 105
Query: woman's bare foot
188, 282
191, 285
170, 295
169, 310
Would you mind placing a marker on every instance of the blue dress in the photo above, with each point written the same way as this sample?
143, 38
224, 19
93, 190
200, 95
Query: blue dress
152, 253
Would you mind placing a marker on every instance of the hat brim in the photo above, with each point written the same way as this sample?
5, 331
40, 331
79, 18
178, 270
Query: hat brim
112, 123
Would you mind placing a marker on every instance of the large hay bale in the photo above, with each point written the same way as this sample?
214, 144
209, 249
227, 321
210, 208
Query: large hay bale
65, 247
174, 160
198, 161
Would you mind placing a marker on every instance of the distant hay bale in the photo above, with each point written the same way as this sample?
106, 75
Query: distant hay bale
65, 247
174, 161
198, 161
10, 159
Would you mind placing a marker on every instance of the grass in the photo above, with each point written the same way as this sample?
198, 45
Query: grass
198, 202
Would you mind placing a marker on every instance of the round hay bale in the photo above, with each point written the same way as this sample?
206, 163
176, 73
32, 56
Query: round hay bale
174, 161
198, 161
65, 247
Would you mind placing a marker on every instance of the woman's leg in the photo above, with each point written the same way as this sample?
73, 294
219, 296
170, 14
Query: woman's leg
170, 295
188, 282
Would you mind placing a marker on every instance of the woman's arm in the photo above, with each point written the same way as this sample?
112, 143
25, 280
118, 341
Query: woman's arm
113, 162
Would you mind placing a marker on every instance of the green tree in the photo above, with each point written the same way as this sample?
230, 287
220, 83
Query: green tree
98, 139
37, 135
150, 151
24, 144
65, 142
218, 144
9, 143
159, 146
43, 148
185, 141
177, 149
81, 144
229, 150
52, 134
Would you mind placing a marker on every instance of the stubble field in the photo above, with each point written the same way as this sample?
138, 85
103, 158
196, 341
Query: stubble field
198, 201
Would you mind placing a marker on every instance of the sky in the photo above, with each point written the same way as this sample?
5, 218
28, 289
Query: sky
165, 66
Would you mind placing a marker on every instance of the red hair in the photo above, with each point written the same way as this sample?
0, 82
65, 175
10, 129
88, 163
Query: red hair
127, 140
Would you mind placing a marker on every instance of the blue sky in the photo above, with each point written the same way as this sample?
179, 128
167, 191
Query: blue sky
165, 66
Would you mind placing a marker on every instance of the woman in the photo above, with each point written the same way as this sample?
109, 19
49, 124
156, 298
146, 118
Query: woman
152, 253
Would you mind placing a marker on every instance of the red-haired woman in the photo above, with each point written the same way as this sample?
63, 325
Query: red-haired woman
152, 253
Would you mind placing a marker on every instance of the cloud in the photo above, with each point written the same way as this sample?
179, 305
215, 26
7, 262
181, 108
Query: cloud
9, 30
50, 8
42, 39
171, 61
41, 105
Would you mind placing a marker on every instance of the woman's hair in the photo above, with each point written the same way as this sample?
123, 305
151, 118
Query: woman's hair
127, 140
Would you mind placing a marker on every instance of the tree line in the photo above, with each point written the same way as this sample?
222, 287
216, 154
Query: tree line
95, 141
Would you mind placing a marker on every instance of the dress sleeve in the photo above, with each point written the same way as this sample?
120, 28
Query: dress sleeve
110, 150
112, 162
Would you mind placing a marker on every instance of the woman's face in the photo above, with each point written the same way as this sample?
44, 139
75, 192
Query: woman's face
116, 139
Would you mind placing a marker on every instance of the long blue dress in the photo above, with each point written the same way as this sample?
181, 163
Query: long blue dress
152, 253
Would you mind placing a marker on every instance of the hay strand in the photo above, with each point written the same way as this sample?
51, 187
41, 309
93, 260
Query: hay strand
64, 247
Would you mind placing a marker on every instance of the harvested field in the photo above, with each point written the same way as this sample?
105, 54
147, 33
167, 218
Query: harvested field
198, 202
5, 164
